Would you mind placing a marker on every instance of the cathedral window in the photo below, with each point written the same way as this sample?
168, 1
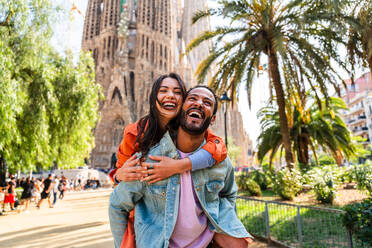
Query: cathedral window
148, 12
147, 48
143, 11
152, 58
161, 50
153, 17
131, 82
115, 95
125, 86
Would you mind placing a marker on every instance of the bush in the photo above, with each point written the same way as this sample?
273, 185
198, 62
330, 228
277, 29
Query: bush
246, 183
287, 184
325, 159
363, 177
345, 175
324, 182
263, 180
358, 219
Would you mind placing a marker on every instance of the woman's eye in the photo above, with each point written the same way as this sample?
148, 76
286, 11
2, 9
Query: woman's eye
178, 93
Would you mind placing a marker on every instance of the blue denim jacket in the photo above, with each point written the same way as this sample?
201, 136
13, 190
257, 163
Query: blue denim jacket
156, 205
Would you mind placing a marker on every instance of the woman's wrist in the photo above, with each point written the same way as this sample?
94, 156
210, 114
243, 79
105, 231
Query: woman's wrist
183, 165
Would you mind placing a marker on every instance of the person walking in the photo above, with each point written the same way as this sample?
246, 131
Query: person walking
46, 191
63, 187
9, 195
26, 196
56, 185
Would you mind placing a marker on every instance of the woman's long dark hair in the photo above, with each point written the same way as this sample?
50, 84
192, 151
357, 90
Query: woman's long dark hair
148, 127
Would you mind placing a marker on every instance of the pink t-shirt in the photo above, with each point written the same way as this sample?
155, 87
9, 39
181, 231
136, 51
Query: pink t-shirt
191, 229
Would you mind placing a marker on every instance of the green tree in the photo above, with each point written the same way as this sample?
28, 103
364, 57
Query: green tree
360, 34
48, 105
298, 39
310, 128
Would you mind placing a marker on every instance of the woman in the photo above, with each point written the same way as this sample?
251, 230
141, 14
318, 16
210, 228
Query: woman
9, 195
26, 196
166, 99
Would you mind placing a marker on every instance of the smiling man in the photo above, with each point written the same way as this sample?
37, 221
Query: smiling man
193, 209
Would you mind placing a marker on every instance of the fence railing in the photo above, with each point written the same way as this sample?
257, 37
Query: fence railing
294, 225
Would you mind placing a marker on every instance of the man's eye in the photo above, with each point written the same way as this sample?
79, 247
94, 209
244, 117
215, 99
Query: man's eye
208, 103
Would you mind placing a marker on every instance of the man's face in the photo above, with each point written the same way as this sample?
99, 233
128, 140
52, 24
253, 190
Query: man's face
197, 111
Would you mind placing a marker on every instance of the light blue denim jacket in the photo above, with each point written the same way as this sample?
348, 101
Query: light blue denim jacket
156, 205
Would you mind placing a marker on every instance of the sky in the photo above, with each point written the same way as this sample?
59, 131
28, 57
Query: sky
68, 35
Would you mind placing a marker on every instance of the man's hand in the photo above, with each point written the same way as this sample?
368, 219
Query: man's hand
166, 167
129, 171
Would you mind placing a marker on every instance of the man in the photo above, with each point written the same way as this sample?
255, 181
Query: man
46, 191
187, 210
55, 189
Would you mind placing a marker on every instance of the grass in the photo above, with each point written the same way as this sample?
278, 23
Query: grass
319, 228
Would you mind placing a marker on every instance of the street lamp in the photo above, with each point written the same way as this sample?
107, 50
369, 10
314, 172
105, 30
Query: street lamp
224, 99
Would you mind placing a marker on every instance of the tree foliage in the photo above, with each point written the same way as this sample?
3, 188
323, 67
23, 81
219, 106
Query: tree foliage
310, 128
48, 104
298, 38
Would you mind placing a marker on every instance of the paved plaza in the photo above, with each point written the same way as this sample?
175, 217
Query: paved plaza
79, 220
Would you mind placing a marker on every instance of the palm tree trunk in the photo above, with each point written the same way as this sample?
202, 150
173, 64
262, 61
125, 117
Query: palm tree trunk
275, 76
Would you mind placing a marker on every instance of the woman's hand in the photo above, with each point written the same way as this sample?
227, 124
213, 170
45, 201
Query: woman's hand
165, 168
129, 171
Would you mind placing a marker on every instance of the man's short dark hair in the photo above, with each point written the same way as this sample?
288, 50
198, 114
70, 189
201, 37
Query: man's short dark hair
214, 95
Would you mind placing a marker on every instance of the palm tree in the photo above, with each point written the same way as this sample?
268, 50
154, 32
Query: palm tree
311, 127
295, 36
360, 34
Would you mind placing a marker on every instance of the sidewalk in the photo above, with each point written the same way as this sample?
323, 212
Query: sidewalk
79, 220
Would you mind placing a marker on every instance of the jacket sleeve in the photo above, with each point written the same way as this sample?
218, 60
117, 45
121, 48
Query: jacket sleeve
215, 146
122, 200
126, 147
230, 189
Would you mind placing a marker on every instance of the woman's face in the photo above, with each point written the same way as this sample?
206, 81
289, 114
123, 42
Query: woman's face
169, 99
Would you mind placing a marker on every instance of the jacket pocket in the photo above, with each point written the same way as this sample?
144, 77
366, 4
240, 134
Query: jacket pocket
213, 189
158, 191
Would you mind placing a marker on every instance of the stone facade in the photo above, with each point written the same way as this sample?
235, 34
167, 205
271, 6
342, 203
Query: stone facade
133, 43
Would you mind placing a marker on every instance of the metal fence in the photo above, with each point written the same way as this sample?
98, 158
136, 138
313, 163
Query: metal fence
294, 225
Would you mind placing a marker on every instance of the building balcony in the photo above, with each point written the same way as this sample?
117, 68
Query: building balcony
362, 117
358, 121
360, 131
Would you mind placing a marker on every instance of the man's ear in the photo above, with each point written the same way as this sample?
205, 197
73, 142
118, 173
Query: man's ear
213, 119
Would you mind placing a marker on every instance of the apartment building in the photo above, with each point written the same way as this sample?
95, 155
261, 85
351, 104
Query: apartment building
358, 97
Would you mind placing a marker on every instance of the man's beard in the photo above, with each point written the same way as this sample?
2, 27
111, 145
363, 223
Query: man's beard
192, 129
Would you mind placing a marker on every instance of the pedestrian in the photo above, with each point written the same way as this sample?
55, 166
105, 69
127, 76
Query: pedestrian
26, 196
166, 97
9, 194
63, 187
55, 189
46, 191
37, 190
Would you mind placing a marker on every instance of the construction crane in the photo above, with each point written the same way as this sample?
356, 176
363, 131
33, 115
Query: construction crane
74, 10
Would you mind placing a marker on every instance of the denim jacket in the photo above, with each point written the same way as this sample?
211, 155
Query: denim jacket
156, 205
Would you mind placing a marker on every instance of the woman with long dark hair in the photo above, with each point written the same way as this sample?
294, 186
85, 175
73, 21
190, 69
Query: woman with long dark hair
166, 99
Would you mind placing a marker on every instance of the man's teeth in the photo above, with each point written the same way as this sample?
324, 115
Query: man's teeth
197, 114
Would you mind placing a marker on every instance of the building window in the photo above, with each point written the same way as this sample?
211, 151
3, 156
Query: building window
131, 82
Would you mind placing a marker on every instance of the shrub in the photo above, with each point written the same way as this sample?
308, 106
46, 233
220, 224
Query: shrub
324, 182
263, 180
345, 175
287, 184
325, 159
363, 177
358, 219
246, 183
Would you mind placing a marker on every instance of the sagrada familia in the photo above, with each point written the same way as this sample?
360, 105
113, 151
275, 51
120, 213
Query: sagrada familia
133, 42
